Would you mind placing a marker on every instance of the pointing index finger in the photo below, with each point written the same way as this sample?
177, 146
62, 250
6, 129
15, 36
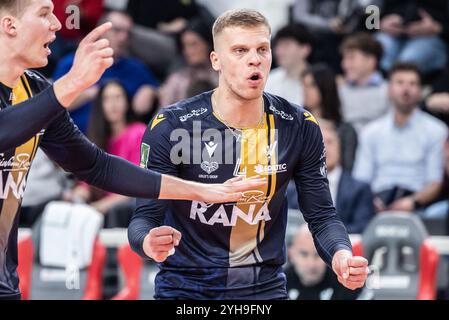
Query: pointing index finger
95, 34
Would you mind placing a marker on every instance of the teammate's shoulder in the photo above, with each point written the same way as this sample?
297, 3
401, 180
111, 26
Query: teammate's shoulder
288, 111
36, 79
185, 111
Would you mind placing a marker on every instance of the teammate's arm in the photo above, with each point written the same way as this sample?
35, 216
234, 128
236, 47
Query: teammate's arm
329, 234
67, 146
21, 122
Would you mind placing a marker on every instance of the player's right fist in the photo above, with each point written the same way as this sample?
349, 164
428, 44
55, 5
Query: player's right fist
93, 56
160, 243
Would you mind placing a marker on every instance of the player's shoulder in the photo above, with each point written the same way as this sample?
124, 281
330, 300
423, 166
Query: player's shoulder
287, 111
36, 80
186, 111
191, 109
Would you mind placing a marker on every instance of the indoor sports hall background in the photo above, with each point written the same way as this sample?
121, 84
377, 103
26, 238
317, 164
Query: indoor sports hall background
390, 183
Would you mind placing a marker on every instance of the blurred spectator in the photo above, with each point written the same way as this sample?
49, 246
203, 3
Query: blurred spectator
437, 103
292, 48
68, 37
169, 16
138, 81
352, 198
440, 207
401, 154
196, 43
322, 99
364, 91
158, 25
46, 182
328, 20
111, 127
412, 31
308, 277
199, 86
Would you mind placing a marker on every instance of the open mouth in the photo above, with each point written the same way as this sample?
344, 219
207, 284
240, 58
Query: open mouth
47, 44
255, 76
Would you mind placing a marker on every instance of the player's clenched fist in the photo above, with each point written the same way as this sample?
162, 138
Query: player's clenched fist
160, 243
351, 271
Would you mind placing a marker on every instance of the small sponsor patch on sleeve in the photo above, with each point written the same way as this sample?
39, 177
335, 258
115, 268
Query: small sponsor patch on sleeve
144, 155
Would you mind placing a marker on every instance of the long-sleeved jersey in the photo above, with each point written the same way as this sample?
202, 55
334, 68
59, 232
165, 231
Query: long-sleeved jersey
31, 116
235, 250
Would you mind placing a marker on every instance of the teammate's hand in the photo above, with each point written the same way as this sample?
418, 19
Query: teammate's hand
93, 56
232, 190
160, 243
351, 271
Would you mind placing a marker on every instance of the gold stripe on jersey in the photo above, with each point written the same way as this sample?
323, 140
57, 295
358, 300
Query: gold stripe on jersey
245, 237
23, 154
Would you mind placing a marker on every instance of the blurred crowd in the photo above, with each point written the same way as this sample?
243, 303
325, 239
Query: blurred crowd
381, 94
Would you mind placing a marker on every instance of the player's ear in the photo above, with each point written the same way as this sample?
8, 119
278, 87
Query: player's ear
215, 61
8, 25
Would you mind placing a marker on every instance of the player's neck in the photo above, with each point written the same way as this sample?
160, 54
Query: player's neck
237, 112
10, 70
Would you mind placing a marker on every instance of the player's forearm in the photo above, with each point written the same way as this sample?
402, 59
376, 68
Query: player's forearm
330, 237
21, 122
67, 90
149, 214
119, 176
178, 189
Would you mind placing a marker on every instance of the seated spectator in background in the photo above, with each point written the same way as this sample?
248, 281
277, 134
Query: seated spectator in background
329, 21
46, 182
352, 198
196, 43
199, 86
439, 208
112, 129
138, 81
411, 31
308, 277
363, 91
322, 100
292, 48
158, 24
401, 154
169, 16
437, 103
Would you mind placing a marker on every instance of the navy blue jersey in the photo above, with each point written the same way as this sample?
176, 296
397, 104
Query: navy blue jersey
235, 250
31, 116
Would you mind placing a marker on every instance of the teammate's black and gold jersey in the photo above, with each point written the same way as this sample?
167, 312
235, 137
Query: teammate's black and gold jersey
31, 116
235, 250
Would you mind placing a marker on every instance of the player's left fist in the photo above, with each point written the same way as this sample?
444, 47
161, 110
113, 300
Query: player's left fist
351, 271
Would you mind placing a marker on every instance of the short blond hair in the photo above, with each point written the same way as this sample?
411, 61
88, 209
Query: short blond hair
14, 7
239, 18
